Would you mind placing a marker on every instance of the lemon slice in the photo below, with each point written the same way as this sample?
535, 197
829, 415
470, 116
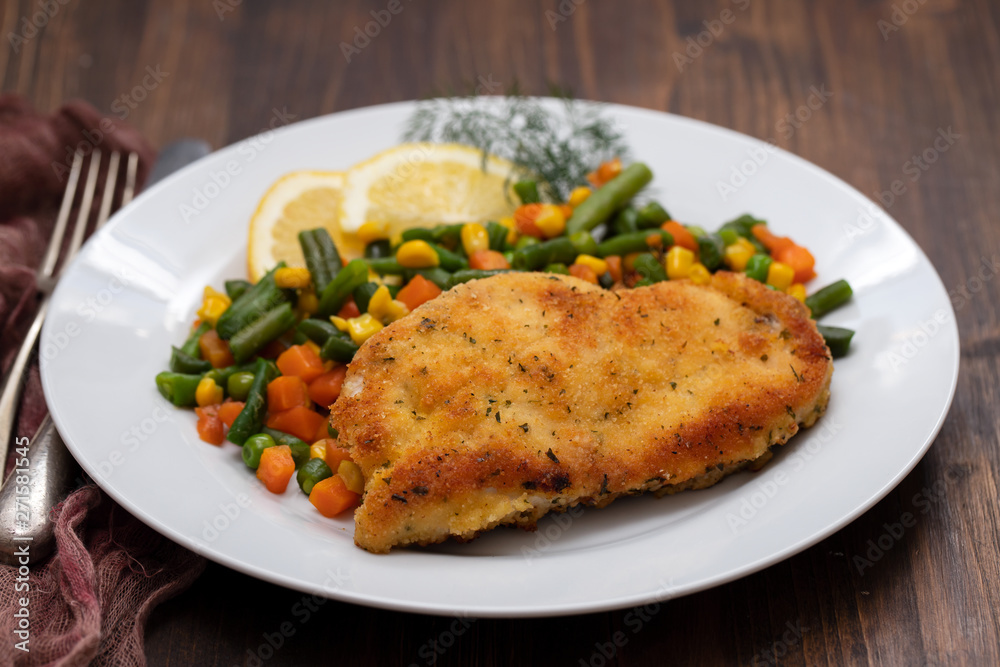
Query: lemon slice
297, 201
425, 184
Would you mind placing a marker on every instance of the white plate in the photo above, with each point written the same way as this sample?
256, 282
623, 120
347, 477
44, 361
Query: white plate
135, 287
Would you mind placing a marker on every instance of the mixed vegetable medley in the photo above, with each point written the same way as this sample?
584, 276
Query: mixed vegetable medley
264, 361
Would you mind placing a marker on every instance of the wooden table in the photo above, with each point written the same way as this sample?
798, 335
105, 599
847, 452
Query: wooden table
897, 73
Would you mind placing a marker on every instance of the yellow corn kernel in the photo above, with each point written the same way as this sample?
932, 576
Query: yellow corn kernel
360, 328
599, 266
352, 476
700, 275
780, 275
213, 305
512, 234
578, 196
372, 231
208, 393
417, 255
384, 308
474, 237
551, 220
292, 277
738, 254
798, 290
678, 262
317, 450
307, 302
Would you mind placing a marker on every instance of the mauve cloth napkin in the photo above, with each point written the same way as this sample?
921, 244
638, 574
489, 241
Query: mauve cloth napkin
87, 604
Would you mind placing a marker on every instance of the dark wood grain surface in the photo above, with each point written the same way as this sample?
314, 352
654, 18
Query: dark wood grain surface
898, 73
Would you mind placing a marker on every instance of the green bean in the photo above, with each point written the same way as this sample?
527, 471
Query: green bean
447, 235
558, 250
338, 347
262, 331
450, 261
334, 433
363, 294
238, 385
647, 266
837, 339
608, 198
251, 417
696, 231
561, 269
584, 243
312, 471
378, 250
385, 266
465, 275
185, 363
236, 288
254, 447
711, 249
341, 287
627, 221
436, 275
259, 299
527, 191
757, 267
417, 234
829, 298
318, 331
321, 256
634, 242
498, 236
178, 388
651, 215
191, 346
300, 449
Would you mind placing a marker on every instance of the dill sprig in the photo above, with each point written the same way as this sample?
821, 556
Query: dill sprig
556, 149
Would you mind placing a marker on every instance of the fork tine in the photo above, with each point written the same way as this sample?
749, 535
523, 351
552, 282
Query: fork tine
109, 190
133, 166
55, 244
86, 202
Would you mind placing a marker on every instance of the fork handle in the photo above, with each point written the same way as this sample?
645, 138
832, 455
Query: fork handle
14, 382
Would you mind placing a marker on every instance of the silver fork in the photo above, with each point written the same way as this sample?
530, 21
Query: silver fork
44, 444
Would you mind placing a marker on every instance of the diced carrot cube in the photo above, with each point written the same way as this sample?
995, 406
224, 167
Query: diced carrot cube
300, 421
300, 361
326, 388
276, 468
331, 496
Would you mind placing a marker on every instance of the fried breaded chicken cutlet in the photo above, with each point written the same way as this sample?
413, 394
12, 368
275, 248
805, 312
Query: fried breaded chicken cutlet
524, 393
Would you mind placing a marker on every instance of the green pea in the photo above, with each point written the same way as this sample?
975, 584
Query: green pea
312, 471
254, 447
583, 243
757, 267
238, 385
557, 268
729, 237
525, 241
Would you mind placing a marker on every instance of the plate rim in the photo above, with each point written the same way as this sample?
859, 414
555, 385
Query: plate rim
561, 609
